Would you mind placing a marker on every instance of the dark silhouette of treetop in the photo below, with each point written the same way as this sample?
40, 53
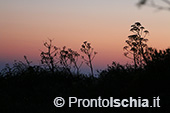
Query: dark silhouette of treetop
136, 48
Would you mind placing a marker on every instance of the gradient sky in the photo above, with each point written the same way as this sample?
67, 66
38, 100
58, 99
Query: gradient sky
25, 24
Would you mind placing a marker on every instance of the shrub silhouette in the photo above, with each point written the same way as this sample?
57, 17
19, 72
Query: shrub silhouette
27, 88
74, 58
160, 60
69, 58
89, 51
49, 58
64, 59
56, 58
136, 48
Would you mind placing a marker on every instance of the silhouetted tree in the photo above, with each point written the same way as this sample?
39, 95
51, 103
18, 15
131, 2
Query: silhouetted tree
136, 48
89, 51
162, 5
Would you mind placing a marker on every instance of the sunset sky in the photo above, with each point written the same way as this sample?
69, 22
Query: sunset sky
26, 24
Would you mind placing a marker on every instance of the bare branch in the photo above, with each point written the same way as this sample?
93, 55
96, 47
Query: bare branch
152, 3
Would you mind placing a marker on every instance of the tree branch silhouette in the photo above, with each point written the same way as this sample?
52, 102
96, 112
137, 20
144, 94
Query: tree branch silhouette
49, 57
163, 5
136, 48
89, 51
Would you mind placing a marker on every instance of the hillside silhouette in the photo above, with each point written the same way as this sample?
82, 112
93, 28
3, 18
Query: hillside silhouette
28, 88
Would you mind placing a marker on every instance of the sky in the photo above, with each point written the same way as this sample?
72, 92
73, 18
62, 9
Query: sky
26, 24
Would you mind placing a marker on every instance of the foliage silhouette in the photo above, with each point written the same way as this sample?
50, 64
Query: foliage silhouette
60, 58
49, 58
160, 60
33, 91
136, 48
69, 58
89, 51
28, 88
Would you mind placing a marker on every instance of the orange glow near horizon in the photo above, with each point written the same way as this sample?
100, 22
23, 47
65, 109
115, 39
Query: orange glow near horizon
106, 24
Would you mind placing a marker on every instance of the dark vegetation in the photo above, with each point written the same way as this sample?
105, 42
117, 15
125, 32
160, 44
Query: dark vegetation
157, 4
28, 88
